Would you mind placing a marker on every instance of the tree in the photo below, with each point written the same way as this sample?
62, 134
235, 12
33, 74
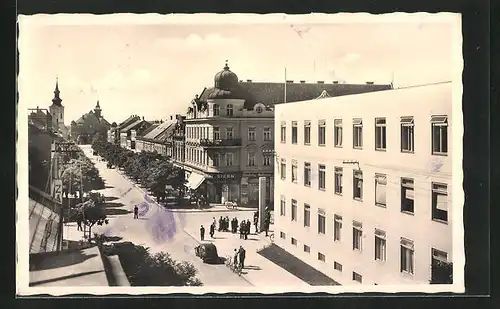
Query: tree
92, 211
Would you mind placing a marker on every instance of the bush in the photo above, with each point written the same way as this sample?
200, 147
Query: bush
145, 269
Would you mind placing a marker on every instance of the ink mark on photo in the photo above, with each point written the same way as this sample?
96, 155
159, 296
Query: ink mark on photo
148, 198
126, 192
436, 166
143, 209
162, 226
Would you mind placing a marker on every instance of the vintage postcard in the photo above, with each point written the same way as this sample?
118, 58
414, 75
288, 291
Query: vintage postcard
239, 153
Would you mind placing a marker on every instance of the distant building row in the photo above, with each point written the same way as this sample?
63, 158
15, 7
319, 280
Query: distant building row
226, 141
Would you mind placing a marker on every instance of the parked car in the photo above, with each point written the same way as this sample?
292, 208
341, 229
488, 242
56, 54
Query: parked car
207, 252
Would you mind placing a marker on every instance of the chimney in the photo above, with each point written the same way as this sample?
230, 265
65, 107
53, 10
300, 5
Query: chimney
171, 117
335, 81
143, 118
302, 81
249, 80
369, 83
241, 80
320, 82
289, 81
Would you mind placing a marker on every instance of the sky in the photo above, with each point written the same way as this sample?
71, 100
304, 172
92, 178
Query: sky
155, 70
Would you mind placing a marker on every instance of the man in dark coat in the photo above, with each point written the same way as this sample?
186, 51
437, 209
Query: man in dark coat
242, 229
241, 256
212, 230
136, 212
247, 230
79, 219
202, 233
221, 223
267, 220
235, 224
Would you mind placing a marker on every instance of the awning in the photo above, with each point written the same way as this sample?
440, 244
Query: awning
194, 181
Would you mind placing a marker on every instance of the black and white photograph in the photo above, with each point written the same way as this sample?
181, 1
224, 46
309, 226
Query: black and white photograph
216, 153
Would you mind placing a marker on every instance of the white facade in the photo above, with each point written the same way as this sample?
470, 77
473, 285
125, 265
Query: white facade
417, 229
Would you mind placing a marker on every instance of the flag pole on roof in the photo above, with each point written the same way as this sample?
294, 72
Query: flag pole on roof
285, 86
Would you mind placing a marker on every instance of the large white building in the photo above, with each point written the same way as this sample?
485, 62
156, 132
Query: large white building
363, 184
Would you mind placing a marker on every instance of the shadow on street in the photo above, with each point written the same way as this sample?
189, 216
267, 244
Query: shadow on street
115, 212
38, 262
112, 204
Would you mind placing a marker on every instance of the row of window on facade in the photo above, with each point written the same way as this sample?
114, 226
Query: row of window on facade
439, 133
203, 133
407, 249
439, 195
218, 159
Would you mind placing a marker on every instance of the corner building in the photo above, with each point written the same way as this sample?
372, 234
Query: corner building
228, 142
363, 184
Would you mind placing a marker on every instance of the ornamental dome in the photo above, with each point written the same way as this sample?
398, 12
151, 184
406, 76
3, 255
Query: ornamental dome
225, 79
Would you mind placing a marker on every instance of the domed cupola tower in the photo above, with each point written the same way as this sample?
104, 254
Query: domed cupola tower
226, 79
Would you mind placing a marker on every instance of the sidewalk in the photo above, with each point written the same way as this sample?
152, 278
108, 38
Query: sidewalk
258, 270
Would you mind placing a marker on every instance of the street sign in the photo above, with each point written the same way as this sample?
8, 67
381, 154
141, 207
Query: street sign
57, 190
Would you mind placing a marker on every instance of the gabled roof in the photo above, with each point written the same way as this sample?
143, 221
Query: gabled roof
128, 121
151, 128
274, 93
163, 136
133, 125
159, 129
92, 118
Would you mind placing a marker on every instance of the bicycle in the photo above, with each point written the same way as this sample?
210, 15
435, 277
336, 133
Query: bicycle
271, 237
235, 268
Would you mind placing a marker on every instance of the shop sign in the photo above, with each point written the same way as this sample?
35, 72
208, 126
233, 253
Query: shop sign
226, 177
258, 174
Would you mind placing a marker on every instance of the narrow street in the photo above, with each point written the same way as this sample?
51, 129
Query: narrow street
157, 228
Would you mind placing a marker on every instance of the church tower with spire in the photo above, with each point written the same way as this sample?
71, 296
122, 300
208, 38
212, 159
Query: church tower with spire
98, 110
57, 109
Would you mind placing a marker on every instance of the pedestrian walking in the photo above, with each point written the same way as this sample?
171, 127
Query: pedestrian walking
241, 256
136, 212
226, 224
248, 227
256, 222
202, 233
267, 220
212, 230
235, 224
79, 223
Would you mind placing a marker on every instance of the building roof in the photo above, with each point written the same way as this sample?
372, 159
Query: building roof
135, 125
151, 128
159, 129
128, 121
271, 94
91, 118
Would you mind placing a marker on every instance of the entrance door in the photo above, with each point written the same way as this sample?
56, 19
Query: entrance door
225, 193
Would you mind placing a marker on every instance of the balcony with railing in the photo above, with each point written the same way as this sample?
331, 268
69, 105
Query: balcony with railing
233, 142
